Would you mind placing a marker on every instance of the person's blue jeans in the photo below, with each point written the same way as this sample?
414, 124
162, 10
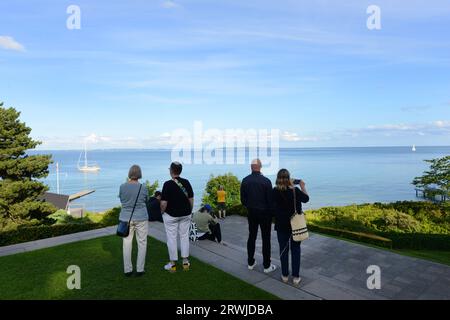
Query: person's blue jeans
286, 243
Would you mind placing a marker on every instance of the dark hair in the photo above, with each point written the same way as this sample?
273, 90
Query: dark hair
176, 168
157, 194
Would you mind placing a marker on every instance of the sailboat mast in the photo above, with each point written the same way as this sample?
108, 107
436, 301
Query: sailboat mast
85, 154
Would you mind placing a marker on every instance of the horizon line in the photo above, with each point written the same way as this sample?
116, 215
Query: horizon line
281, 148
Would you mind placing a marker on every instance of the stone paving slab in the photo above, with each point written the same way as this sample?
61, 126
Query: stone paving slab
283, 291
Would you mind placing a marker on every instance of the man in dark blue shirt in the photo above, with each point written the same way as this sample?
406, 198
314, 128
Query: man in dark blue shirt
256, 194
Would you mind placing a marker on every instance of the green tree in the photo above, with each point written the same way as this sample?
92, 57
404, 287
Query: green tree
231, 185
19, 174
438, 174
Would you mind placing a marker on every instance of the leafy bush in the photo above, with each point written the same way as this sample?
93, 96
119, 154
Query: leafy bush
238, 210
63, 217
231, 185
421, 210
398, 221
111, 217
95, 217
151, 187
408, 224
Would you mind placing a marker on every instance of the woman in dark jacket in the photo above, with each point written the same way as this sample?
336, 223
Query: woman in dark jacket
283, 197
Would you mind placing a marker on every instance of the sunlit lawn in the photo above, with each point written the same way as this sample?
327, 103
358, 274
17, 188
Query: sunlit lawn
42, 275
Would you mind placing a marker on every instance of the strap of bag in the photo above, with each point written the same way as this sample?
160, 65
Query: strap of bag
135, 203
180, 185
183, 189
295, 200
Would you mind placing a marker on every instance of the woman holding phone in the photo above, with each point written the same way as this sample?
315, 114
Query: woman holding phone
283, 197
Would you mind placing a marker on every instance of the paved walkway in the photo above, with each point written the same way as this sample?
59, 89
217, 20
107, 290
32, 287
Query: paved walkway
336, 269
331, 269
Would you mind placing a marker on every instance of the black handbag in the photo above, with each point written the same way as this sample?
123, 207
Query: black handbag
123, 229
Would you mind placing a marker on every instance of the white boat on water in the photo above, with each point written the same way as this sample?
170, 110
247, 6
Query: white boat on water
414, 148
86, 167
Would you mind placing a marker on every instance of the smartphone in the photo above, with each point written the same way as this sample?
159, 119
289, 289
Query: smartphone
297, 181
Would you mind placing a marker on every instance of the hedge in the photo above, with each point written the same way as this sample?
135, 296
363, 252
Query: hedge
26, 234
32, 233
420, 241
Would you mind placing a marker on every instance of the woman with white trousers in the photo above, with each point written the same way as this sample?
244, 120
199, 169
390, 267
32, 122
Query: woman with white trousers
177, 200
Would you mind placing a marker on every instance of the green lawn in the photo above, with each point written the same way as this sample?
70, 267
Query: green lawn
432, 255
42, 275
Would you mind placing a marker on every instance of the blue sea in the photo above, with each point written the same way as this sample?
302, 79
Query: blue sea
334, 176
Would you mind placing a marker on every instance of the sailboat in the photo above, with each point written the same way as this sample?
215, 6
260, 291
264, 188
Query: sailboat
86, 167
414, 148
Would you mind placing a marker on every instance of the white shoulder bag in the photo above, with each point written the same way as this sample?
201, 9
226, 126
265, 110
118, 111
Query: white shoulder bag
298, 223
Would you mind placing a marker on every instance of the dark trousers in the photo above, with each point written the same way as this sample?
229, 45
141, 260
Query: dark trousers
215, 233
160, 219
256, 219
285, 241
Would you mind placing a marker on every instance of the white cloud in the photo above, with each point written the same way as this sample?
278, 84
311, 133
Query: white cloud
8, 43
389, 133
295, 137
442, 124
95, 141
385, 132
390, 127
436, 128
170, 5
94, 138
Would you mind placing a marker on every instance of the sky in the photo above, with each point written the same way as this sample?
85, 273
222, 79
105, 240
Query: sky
136, 71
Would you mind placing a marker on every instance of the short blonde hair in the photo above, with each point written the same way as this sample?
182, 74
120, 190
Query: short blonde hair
135, 172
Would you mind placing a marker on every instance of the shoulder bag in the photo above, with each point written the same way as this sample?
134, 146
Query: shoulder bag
298, 223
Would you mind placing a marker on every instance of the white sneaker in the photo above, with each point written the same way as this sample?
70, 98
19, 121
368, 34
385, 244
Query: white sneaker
296, 281
186, 266
253, 266
170, 267
270, 269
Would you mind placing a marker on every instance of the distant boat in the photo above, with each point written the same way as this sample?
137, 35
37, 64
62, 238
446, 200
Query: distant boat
86, 167
414, 148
